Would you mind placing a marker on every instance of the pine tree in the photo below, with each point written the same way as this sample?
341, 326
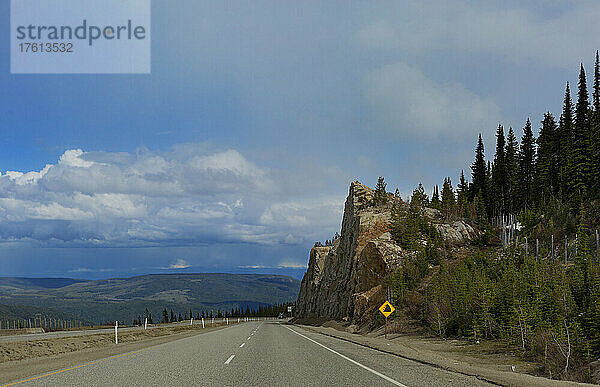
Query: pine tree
526, 167
165, 316
580, 165
435, 198
479, 172
499, 179
511, 157
380, 195
546, 175
565, 140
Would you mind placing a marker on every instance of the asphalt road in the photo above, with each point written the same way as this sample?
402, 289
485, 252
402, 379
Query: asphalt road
263, 353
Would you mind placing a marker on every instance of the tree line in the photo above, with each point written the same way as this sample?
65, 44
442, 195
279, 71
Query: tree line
169, 316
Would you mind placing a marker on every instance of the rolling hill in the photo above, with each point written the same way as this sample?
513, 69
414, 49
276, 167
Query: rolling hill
125, 298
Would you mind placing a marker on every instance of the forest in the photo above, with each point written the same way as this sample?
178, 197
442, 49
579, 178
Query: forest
532, 277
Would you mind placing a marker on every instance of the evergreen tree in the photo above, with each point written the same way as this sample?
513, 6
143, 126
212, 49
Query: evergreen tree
526, 167
380, 195
435, 198
165, 316
419, 197
546, 175
172, 316
580, 165
499, 178
565, 140
463, 195
448, 198
511, 159
479, 172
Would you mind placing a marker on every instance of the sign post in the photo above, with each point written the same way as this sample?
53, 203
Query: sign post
386, 309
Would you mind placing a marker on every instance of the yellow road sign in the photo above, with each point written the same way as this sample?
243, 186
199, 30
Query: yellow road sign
386, 308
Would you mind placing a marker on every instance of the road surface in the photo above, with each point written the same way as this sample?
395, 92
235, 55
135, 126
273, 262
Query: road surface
263, 353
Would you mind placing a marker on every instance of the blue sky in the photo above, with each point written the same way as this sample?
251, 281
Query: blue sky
236, 152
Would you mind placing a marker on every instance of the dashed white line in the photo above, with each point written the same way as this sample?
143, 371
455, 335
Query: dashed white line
350, 360
230, 359
241, 345
248, 338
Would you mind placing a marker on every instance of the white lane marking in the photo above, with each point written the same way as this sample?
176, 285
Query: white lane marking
241, 345
230, 359
248, 338
350, 360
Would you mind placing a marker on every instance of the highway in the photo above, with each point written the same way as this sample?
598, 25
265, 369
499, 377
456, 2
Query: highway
258, 353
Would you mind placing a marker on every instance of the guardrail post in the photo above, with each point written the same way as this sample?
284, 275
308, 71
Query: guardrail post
116, 332
202, 322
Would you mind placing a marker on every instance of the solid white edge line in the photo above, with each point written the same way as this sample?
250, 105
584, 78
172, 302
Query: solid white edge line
241, 345
350, 360
230, 359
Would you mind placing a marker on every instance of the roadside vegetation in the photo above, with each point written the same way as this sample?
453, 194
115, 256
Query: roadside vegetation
532, 276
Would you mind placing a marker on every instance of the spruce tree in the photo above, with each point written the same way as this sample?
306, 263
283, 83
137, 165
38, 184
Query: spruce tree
419, 197
565, 130
479, 173
448, 198
580, 165
511, 157
546, 175
463, 195
380, 196
499, 179
526, 167
435, 198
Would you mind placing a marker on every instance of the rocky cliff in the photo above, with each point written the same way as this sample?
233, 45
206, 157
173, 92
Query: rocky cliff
346, 281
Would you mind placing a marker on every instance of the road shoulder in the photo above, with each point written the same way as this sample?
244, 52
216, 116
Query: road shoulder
439, 360
21, 369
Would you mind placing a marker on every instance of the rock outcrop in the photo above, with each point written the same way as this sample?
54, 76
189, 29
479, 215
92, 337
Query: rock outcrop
347, 281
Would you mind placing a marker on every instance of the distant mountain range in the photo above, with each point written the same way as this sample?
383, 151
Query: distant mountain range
125, 298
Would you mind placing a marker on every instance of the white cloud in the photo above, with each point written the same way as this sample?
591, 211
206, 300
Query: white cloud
292, 265
407, 102
179, 264
189, 196
72, 158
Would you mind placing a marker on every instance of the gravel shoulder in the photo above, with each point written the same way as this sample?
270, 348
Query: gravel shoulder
19, 360
483, 362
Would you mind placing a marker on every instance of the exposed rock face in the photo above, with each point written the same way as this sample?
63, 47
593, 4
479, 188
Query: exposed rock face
347, 280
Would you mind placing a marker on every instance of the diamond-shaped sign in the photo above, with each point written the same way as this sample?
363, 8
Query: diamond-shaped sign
386, 308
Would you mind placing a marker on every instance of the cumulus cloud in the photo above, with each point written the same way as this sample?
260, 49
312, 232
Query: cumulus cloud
179, 264
190, 195
407, 102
